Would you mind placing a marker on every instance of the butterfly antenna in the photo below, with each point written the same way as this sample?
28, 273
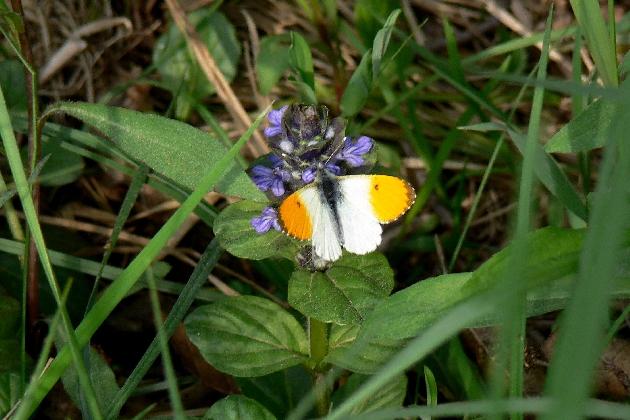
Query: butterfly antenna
334, 153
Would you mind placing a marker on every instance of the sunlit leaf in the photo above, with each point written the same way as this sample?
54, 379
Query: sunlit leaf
172, 148
346, 292
247, 336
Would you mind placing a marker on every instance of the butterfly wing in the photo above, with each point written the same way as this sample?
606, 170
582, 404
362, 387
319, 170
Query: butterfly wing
365, 202
306, 215
295, 217
360, 228
390, 197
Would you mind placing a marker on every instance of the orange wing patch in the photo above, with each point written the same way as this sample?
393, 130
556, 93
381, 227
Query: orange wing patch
295, 217
390, 197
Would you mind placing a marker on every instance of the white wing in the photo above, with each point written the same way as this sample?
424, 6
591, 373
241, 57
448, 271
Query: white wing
325, 236
360, 228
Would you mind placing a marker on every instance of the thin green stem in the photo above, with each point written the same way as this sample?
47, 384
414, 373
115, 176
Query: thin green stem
318, 334
476, 201
318, 337
167, 363
616, 325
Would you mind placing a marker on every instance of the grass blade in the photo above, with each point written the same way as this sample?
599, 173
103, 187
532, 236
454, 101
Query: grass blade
513, 335
24, 192
571, 370
167, 363
601, 46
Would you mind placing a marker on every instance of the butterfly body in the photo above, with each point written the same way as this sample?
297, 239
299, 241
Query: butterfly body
336, 212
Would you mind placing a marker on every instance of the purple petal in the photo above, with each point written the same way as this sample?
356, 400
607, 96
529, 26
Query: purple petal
353, 151
334, 168
363, 145
277, 187
262, 177
272, 131
267, 219
308, 175
270, 212
261, 224
275, 116
354, 161
260, 170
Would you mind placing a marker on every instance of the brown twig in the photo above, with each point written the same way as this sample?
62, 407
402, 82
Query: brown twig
257, 147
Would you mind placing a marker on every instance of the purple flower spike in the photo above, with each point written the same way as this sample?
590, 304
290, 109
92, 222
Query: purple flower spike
268, 219
271, 178
275, 122
353, 151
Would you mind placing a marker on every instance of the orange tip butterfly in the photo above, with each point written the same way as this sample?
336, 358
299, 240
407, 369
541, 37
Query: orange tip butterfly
338, 212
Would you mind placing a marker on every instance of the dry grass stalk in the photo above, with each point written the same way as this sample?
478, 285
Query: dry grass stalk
514, 24
257, 147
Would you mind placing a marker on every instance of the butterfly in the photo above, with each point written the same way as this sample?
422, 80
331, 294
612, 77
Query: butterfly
336, 212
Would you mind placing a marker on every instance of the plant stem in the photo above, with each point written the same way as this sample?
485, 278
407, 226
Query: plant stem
34, 151
318, 335
322, 394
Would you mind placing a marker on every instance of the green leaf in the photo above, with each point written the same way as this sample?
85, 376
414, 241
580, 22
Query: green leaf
62, 167
301, 60
10, 392
247, 336
307, 93
238, 407
234, 230
390, 395
553, 253
549, 272
272, 61
9, 351
172, 148
346, 292
10, 316
381, 42
101, 376
280, 391
13, 85
456, 371
342, 336
589, 130
358, 88
431, 385
178, 67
